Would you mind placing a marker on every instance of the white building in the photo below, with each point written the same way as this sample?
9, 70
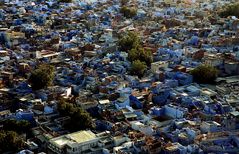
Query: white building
4, 56
73, 143
145, 129
156, 66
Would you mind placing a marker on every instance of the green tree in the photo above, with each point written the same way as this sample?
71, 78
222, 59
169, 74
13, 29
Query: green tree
10, 141
80, 119
204, 74
140, 54
231, 10
22, 126
66, 109
128, 12
129, 41
42, 77
138, 68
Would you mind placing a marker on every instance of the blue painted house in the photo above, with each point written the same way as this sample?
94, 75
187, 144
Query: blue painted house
25, 115
135, 101
160, 96
183, 78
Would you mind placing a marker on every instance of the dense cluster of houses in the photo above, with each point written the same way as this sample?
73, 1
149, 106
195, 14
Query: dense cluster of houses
163, 112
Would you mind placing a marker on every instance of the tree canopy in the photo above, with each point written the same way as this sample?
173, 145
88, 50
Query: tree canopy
139, 57
138, 68
141, 54
42, 77
129, 41
231, 10
10, 141
128, 12
22, 126
204, 74
80, 119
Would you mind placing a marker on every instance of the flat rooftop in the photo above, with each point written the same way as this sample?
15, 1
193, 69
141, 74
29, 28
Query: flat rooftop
77, 137
82, 136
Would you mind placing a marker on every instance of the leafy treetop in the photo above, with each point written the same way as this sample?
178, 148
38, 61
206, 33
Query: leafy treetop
80, 119
138, 68
42, 77
129, 41
128, 12
204, 74
10, 141
231, 10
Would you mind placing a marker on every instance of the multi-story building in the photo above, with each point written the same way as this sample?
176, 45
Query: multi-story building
80, 142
